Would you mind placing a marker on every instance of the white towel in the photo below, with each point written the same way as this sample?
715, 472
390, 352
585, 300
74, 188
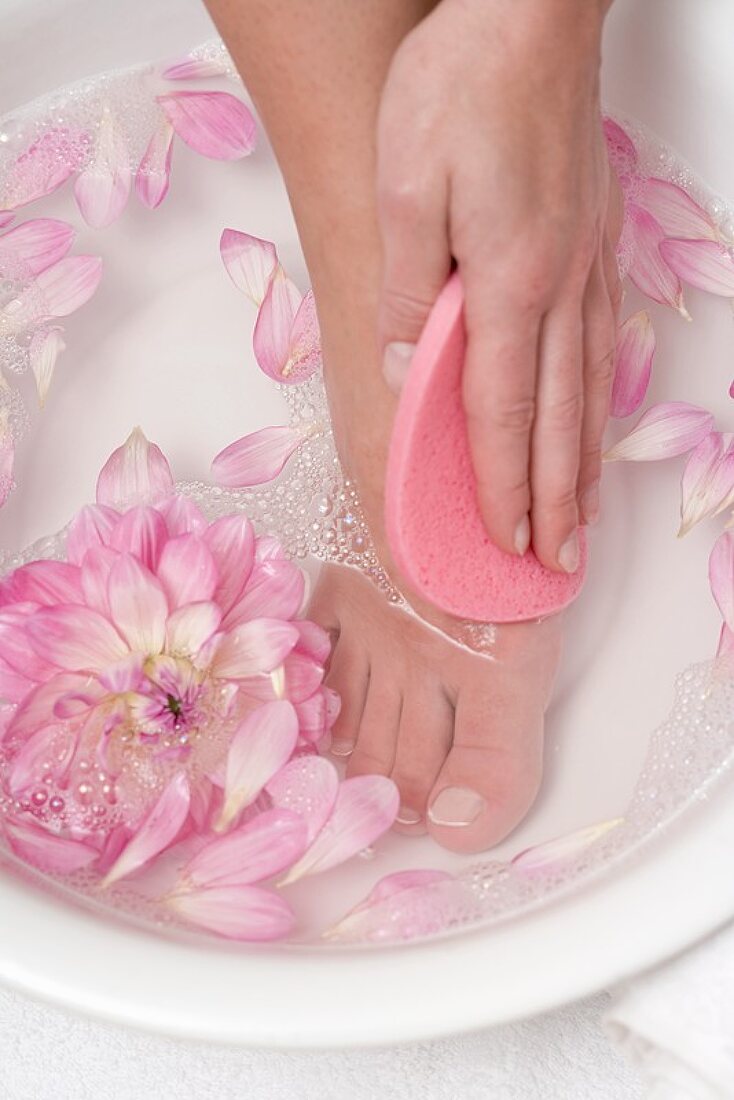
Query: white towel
676, 1023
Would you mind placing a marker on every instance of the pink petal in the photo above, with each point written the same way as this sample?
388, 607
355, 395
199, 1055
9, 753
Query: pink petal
34, 711
267, 548
275, 589
256, 458
17, 653
158, 831
44, 166
621, 148
37, 244
400, 911
707, 485
75, 638
187, 571
141, 531
103, 187
45, 348
253, 648
250, 262
92, 526
48, 852
721, 576
124, 676
231, 540
665, 430
562, 850
677, 214
215, 124
14, 687
136, 473
263, 847
298, 678
262, 744
190, 627
726, 642
312, 717
271, 338
6, 217
649, 271
49, 744
304, 352
313, 640
68, 284
366, 806
43, 582
706, 265
182, 516
96, 568
308, 786
138, 605
633, 363
246, 913
193, 68
153, 176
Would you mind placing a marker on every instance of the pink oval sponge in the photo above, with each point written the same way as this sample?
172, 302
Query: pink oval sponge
434, 526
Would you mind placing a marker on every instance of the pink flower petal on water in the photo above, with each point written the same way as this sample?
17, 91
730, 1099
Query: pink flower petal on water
365, 808
247, 913
76, 639
275, 589
37, 244
256, 458
263, 847
46, 346
194, 68
633, 363
187, 571
44, 166
153, 176
721, 576
706, 265
649, 271
190, 627
562, 850
707, 485
50, 853
141, 531
158, 830
125, 675
6, 217
621, 148
665, 430
406, 906
135, 473
43, 582
67, 285
17, 653
677, 214
138, 605
33, 712
215, 124
313, 640
271, 339
182, 516
102, 188
52, 744
263, 743
388, 887
231, 540
268, 548
726, 642
304, 351
253, 648
308, 786
92, 526
96, 568
250, 262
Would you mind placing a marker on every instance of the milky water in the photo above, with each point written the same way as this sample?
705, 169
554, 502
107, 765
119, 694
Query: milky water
315, 512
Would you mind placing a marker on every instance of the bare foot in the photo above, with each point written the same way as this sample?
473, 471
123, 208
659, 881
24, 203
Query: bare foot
460, 733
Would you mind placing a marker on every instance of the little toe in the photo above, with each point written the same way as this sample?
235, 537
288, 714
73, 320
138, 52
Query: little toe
374, 752
491, 775
424, 740
349, 676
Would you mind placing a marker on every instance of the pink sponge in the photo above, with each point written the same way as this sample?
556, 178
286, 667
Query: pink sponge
434, 526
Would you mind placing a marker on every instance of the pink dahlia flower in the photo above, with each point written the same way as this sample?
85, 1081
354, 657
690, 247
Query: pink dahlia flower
158, 685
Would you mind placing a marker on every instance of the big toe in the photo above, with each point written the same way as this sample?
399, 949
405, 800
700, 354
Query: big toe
492, 774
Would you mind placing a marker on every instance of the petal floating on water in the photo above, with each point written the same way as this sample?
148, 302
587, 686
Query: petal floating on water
250, 262
215, 124
159, 829
256, 458
248, 913
135, 473
633, 360
665, 430
261, 746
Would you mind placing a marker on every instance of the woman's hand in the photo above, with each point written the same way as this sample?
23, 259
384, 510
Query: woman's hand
491, 151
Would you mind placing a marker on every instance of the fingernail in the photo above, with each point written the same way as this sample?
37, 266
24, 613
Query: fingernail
406, 816
341, 748
395, 364
590, 503
568, 555
522, 536
457, 806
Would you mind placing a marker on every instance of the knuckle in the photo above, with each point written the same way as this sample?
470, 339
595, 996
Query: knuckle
401, 198
402, 309
559, 498
510, 416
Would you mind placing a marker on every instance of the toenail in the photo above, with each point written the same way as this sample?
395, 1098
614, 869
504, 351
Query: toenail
568, 555
406, 816
456, 806
395, 364
341, 748
590, 504
522, 536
